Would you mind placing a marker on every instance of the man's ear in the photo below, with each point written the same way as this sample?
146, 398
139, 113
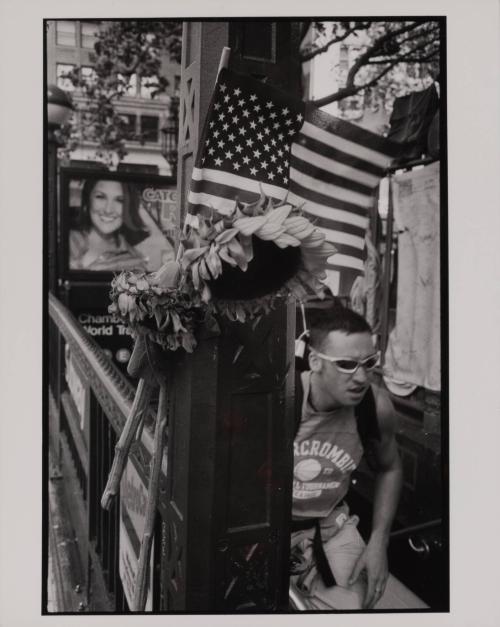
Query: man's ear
314, 362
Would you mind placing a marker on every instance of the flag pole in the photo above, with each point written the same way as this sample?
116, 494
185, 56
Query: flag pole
223, 63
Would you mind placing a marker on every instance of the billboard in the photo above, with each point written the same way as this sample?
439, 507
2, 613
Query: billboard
114, 221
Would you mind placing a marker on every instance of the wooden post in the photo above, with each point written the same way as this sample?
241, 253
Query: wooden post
230, 434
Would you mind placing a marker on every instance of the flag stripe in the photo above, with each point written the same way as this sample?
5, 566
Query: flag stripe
357, 150
329, 211
328, 189
342, 261
331, 175
309, 194
339, 236
345, 164
380, 147
236, 181
328, 223
349, 251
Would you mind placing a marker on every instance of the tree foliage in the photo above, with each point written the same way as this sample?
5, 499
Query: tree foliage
124, 52
383, 50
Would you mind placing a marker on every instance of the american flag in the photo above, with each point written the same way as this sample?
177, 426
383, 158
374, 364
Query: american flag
258, 138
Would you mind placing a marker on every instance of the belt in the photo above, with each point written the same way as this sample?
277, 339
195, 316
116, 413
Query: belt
318, 550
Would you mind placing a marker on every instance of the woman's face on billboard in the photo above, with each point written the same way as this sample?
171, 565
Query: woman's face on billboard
106, 206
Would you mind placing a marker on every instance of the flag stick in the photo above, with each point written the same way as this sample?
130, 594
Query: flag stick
140, 592
223, 63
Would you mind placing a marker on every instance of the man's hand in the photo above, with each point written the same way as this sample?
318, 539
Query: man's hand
374, 561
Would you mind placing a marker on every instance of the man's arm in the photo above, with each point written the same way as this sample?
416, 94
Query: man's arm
387, 491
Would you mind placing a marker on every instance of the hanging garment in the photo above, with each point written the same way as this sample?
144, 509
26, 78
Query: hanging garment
413, 354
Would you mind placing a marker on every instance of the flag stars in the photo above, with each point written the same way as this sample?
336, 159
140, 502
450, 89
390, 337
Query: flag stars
288, 121
273, 158
260, 137
270, 175
249, 142
211, 151
223, 87
292, 131
253, 171
256, 108
218, 161
241, 102
285, 111
253, 98
266, 130
216, 134
217, 106
256, 153
239, 148
252, 124
246, 160
236, 165
237, 91
227, 98
273, 115
267, 147
235, 119
276, 126
280, 137
212, 123
273, 141
243, 130
300, 117
280, 152
261, 119
222, 116
264, 165
225, 126
230, 108
231, 137
229, 155
269, 105
220, 144
280, 169
245, 113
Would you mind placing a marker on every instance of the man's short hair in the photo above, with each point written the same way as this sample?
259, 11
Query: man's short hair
321, 322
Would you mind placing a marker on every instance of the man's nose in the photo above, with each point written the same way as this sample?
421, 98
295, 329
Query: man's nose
361, 374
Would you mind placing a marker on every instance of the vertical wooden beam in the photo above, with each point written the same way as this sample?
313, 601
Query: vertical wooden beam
228, 489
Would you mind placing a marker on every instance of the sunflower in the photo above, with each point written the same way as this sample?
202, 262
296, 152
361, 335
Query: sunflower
242, 263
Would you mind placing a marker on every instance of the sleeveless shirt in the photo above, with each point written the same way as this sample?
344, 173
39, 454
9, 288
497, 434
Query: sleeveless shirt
327, 448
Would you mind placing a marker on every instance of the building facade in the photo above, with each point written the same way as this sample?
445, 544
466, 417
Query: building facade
69, 45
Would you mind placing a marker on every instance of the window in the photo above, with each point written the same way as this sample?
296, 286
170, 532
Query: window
88, 32
65, 33
149, 84
88, 74
150, 128
131, 83
62, 82
131, 125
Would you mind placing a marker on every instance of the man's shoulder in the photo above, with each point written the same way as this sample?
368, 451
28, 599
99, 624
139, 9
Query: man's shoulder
386, 414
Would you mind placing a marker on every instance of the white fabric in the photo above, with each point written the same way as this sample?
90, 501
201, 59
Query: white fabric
413, 353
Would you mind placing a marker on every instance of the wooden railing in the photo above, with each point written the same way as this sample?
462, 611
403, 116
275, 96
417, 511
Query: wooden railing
89, 402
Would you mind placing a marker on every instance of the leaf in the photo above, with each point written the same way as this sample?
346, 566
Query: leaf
226, 235
277, 216
248, 226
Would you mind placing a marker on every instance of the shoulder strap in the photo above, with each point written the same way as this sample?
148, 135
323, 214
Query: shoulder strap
299, 398
366, 418
368, 427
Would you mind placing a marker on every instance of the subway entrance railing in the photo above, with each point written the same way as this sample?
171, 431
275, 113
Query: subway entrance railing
221, 532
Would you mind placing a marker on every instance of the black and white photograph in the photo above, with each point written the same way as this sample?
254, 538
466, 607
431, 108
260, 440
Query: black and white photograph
247, 306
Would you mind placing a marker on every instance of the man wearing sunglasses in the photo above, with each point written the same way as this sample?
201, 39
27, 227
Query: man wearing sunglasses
331, 565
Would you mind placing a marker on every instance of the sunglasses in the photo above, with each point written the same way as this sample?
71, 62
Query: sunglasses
350, 366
